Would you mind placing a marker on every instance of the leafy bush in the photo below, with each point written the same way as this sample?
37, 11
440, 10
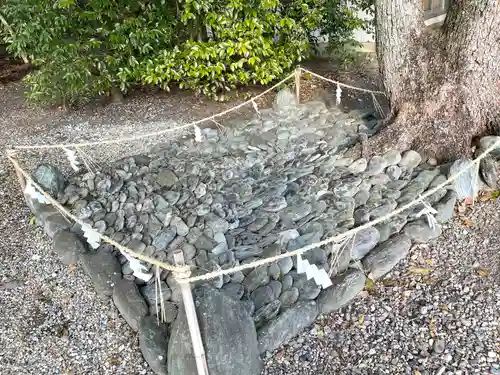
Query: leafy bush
87, 47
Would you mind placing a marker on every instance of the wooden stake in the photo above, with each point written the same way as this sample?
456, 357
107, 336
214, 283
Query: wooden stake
194, 328
297, 84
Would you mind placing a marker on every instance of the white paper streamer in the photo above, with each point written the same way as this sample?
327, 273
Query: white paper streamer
338, 94
429, 213
72, 158
140, 270
312, 272
255, 107
92, 237
198, 137
31, 192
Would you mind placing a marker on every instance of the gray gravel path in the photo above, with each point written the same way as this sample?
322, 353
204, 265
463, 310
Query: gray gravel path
446, 322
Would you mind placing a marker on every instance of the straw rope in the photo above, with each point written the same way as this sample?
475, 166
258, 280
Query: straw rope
182, 273
342, 84
180, 270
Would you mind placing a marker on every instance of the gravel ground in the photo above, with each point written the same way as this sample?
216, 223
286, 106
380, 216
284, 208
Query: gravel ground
443, 322
51, 319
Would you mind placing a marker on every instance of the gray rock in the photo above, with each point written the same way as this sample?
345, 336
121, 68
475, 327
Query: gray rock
172, 196
392, 157
50, 179
103, 268
358, 166
234, 290
200, 190
289, 297
149, 293
275, 204
297, 212
347, 187
256, 278
266, 313
167, 178
285, 265
180, 226
228, 334
376, 165
55, 223
274, 271
394, 172
129, 302
247, 251
339, 259
420, 232
489, 172
489, 141
163, 239
216, 223
289, 324
439, 346
345, 287
446, 206
287, 282
262, 296
284, 100
379, 179
68, 247
308, 289
153, 342
387, 206
276, 287
410, 160
361, 198
364, 241
385, 256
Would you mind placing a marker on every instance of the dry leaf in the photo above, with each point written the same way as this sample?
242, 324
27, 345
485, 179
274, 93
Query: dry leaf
433, 328
369, 284
417, 372
443, 307
71, 268
361, 319
467, 222
419, 271
461, 208
483, 272
428, 281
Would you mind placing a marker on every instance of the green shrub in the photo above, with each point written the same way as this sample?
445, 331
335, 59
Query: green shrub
82, 48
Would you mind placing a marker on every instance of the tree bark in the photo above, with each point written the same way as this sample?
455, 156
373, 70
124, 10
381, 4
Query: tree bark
443, 85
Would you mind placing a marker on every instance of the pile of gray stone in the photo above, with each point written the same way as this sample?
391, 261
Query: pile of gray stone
265, 186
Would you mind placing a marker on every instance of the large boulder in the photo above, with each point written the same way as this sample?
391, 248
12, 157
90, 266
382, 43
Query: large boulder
153, 341
103, 268
228, 335
50, 179
287, 325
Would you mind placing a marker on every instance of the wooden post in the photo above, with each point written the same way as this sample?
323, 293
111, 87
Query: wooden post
297, 83
194, 328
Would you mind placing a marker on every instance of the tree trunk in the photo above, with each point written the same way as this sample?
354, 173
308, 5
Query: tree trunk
443, 84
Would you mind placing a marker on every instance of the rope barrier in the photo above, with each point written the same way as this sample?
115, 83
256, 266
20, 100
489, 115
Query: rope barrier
260, 262
342, 84
182, 273
154, 134
106, 239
